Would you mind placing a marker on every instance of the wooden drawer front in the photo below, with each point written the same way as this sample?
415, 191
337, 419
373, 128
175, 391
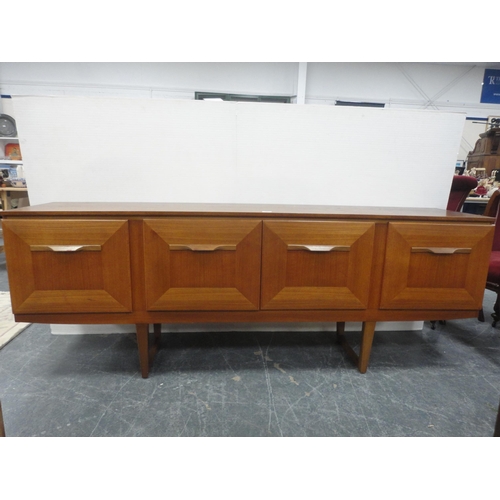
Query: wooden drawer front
68, 266
436, 266
316, 265
202, 264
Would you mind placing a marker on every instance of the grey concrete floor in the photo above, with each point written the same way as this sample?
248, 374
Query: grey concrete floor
443, 382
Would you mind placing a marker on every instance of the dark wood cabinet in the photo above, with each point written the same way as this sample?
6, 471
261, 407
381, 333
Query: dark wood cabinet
146, 264
486, 153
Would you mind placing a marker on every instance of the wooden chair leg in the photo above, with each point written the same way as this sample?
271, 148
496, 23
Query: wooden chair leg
2, 427
496, 310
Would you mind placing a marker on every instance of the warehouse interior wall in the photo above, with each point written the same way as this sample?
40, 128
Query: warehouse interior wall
435, 86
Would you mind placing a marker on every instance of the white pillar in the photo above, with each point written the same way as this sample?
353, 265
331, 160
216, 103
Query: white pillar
301, 83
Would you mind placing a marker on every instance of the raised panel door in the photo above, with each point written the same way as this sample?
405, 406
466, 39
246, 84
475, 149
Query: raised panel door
68, 266
435, 266
316, 264
194, 264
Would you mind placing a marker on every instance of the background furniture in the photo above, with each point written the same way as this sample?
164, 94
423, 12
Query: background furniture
486, 153
140, 263
461, 186
475, 205
7, 193
493, 278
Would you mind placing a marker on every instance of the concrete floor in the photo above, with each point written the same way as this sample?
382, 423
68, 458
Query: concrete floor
444, 382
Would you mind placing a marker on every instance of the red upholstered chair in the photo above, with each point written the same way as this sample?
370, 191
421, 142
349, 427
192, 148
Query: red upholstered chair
461, 186
493, 279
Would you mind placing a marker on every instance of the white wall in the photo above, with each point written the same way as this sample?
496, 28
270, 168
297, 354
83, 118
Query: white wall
156, 80
453, 86
422, 85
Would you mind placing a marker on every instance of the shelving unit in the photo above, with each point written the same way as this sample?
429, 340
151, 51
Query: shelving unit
5, 163
3, 142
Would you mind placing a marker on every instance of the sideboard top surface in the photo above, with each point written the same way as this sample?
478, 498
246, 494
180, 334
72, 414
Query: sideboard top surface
145, 209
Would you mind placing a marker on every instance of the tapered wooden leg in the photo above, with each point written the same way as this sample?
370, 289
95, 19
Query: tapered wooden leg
343, 342
147, 351
157, 331
142, 332
496, 310
361, 360
366, 345
340, 328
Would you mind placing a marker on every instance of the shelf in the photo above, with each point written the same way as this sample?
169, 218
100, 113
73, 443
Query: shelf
11, 162
9, 138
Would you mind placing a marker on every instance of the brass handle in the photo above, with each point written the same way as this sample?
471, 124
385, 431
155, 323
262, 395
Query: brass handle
440, 250
320, 248
202, 247
65, 248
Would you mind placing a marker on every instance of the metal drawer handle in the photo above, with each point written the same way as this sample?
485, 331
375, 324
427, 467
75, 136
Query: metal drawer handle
65, 248
440, 250
320, 248
203, 247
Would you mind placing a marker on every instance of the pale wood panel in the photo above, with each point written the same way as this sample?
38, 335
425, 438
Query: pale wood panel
435, 280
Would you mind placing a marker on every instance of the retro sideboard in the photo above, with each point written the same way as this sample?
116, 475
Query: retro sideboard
154, 263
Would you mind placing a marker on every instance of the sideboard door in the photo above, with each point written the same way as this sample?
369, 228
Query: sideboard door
316, 264
205, 264
436, 266
68, 266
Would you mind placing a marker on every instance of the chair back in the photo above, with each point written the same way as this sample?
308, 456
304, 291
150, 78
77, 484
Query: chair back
461, 186
491, 210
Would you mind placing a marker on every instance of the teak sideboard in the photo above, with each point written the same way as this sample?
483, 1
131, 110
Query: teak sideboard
154, 263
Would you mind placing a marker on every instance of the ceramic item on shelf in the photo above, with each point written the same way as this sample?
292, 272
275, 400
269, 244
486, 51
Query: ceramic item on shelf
7, 126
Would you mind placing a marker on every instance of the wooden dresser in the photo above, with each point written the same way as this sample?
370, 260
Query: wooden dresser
486, 152
154, 263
